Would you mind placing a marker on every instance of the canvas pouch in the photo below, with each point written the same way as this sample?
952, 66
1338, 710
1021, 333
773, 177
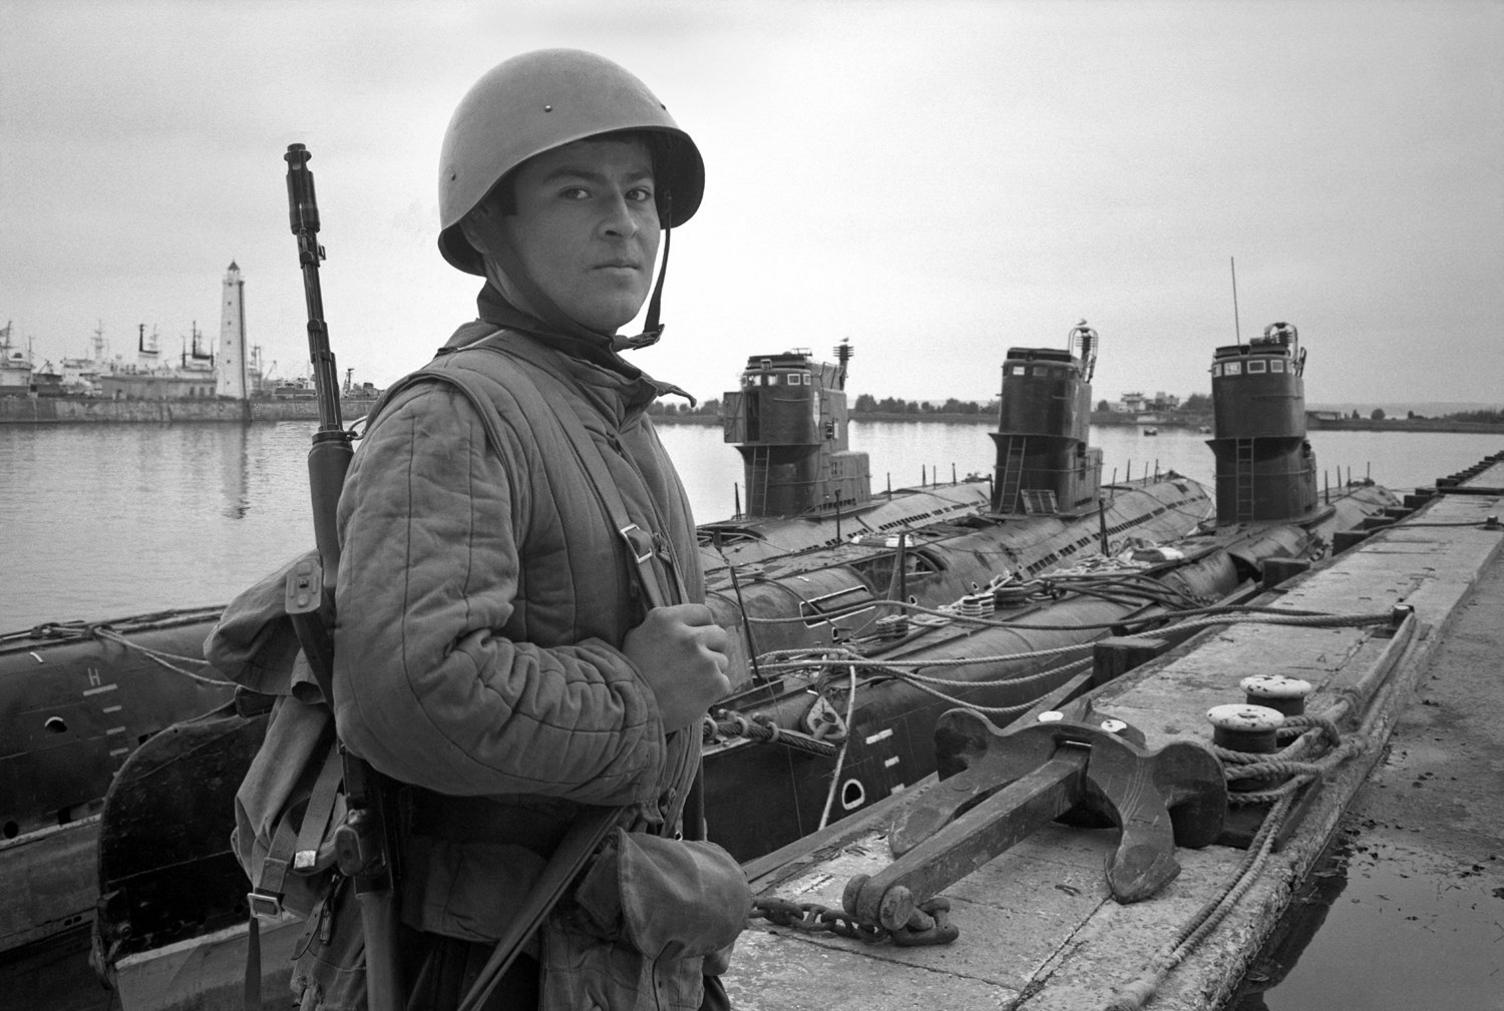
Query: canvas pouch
648, 921
254, 643
329, 962
669, 898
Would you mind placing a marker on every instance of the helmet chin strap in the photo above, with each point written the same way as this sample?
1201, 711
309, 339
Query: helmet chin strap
652, 328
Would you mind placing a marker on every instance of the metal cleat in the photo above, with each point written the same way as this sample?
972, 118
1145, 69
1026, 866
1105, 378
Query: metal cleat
998, 786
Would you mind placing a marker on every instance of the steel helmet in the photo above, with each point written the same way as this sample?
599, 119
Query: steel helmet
542, 100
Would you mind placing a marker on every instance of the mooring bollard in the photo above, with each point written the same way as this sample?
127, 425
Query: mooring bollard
1251, 729
1285, 695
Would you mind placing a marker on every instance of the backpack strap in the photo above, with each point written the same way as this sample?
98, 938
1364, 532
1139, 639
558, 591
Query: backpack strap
644, 548
296, 850
289, 851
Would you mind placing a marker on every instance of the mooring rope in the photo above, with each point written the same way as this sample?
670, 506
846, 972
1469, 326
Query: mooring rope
1406, 525
1262, 618
835, 776
988, 710
1196, 617
162, 658
764, 730
1136, 993
915, 678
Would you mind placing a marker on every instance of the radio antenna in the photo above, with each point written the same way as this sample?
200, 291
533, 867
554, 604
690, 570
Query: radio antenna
1237, 328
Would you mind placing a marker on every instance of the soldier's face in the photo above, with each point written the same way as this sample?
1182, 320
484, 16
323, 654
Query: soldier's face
586, 228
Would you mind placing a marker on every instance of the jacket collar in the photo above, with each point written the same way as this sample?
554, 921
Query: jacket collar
589, 359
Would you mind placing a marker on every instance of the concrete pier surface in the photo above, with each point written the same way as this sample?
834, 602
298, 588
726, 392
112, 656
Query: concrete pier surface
1410, 907
1038, 927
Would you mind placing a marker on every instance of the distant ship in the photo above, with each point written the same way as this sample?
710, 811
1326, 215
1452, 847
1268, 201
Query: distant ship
15, 366
204, 382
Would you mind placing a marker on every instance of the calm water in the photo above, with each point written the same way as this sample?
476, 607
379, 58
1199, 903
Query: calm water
100, 522
105, 521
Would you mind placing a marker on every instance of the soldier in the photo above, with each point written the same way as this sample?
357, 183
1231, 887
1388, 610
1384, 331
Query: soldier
521, 630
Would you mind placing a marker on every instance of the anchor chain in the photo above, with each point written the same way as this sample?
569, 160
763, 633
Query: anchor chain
930, 924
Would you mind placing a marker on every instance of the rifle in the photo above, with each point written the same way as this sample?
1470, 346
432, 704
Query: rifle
365, 842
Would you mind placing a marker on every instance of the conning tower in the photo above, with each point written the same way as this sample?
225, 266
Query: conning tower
1043, 462
1266, 470
789, 423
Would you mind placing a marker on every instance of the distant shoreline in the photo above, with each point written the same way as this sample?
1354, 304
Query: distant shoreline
1405, 425
66, 410
1312, 424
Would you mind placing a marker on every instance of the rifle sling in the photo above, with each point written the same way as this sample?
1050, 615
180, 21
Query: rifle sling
579, 844
589, 830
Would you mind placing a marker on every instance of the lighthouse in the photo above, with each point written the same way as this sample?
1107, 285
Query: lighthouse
231, 367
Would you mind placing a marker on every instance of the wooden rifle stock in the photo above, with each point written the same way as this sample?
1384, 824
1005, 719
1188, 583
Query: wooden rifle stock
365, 843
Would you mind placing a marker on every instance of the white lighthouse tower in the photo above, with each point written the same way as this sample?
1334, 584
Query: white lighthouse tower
230, 369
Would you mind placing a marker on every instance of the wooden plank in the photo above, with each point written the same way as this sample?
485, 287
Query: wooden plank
48, 881
208, 973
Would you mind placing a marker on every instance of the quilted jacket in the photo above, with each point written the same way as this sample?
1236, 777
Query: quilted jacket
483, 596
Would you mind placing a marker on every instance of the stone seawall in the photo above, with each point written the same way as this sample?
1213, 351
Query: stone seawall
70, 410
1404, 425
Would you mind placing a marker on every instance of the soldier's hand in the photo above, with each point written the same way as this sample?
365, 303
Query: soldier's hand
682, 654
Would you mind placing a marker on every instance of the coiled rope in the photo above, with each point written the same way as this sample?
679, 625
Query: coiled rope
1135, 994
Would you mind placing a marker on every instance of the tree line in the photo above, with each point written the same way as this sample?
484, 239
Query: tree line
866, 403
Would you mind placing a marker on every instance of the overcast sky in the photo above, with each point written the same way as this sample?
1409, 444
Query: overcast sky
936, 181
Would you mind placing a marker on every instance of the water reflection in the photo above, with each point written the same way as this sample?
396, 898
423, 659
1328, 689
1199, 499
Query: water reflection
106, 521
235, 468
1297, 929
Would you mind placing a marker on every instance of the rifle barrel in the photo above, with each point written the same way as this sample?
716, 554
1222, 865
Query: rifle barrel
303, 215
366, 840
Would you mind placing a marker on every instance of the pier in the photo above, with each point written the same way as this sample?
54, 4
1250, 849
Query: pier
103, 411
1038, 926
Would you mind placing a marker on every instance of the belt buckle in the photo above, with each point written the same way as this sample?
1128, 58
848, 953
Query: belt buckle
264, 905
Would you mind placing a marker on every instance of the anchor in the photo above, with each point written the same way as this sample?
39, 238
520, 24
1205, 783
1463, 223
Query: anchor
998, 786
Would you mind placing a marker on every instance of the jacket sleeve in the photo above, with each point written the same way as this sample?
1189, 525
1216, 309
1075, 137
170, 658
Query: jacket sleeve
427, 688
